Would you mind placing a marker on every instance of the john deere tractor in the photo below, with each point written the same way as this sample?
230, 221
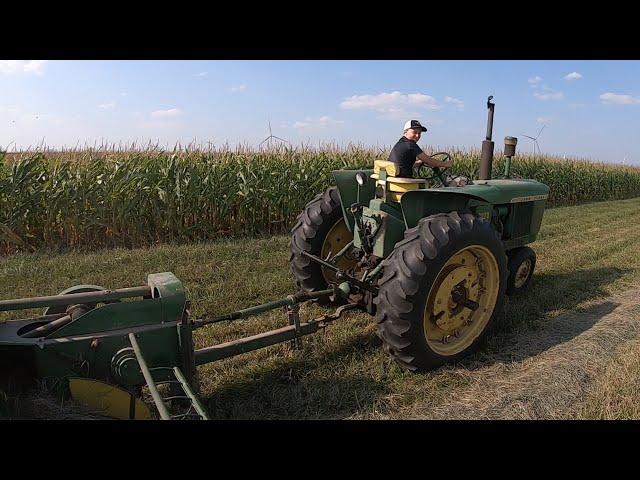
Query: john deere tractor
430, 257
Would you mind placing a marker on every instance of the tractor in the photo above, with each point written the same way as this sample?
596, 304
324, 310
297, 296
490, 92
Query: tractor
431, 257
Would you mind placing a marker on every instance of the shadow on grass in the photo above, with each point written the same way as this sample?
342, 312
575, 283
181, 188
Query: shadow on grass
556, 291
524, 328
304, 387
316, 387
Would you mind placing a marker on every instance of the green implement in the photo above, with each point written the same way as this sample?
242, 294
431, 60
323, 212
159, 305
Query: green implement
106, 350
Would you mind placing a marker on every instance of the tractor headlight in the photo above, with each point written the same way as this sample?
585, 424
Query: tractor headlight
361, 179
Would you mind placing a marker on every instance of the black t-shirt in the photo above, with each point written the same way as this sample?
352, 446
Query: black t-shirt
404, 155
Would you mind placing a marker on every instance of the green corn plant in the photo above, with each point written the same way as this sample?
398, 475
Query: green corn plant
130, 197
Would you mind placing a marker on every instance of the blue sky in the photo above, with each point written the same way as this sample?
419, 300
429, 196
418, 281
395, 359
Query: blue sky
591, 108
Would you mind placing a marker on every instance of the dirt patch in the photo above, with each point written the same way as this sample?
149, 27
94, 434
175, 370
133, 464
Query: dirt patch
546, 373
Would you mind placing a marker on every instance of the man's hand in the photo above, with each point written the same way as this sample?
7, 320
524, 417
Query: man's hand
432, 162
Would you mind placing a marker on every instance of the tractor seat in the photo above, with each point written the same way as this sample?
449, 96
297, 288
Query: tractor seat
396, 186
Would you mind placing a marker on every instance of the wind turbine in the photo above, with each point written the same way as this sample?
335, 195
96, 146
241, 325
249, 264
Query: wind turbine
272, 136
535, 140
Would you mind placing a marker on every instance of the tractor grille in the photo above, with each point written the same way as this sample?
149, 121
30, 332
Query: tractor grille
521, 218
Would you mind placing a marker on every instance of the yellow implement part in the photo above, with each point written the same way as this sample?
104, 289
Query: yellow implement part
108, 399
400, 184
390, 167
403, 187
394, 197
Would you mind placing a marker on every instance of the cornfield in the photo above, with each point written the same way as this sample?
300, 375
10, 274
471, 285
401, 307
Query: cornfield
87, 199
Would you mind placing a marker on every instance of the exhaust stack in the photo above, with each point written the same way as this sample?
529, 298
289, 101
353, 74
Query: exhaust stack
486, 160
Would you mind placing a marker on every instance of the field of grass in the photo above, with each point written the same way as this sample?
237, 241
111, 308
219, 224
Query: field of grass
91, 199
566, 349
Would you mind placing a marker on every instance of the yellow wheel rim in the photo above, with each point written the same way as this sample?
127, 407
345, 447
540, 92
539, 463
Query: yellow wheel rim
471, 277
522, 273
337, 238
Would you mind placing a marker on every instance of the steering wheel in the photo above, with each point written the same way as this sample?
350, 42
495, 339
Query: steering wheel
437, 173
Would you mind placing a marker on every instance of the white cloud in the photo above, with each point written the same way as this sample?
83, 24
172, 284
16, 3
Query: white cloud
11, 67
32, 117
171, 113
550, 94
543, 120
535, 80
20, 116
8, 109
383, 101
609, 98
239, 88
391, 105
459, 104
573, 76
315, 123
160, 119
201, 74
107, 106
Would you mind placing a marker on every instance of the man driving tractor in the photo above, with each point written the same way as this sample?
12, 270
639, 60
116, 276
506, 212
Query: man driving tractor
407, 154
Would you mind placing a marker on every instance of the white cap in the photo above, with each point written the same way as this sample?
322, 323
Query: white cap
414, 124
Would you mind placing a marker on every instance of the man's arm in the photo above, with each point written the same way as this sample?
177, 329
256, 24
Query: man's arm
432, 162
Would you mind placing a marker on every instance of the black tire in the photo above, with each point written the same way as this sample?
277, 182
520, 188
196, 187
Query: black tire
408, 274
517, 257
308, 234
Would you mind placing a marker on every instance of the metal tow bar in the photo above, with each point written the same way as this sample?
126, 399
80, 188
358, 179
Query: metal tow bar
341, 275
293, 332
290, 333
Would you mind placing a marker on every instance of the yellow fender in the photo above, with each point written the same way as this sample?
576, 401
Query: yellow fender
108, 399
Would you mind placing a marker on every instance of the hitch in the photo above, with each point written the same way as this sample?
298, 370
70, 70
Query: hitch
344, 276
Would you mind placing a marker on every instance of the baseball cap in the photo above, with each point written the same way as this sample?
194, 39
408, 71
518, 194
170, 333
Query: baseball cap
414, 124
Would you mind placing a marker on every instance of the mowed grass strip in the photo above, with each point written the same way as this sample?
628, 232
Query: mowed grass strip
585, 254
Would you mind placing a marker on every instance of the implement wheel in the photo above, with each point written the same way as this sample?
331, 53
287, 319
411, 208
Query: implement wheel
441, 290
320, 230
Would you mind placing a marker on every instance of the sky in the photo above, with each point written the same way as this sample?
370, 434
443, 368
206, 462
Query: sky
591, 109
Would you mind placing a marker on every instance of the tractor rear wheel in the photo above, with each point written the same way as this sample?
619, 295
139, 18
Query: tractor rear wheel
522, 262
319, 230
441, 290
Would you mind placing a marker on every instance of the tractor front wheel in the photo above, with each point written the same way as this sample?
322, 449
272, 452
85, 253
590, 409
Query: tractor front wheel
522, 262
441, 290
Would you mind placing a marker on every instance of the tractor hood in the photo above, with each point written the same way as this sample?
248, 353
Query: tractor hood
501, 190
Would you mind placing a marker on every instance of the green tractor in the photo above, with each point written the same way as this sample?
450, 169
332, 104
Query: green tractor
432, 264
430, 257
